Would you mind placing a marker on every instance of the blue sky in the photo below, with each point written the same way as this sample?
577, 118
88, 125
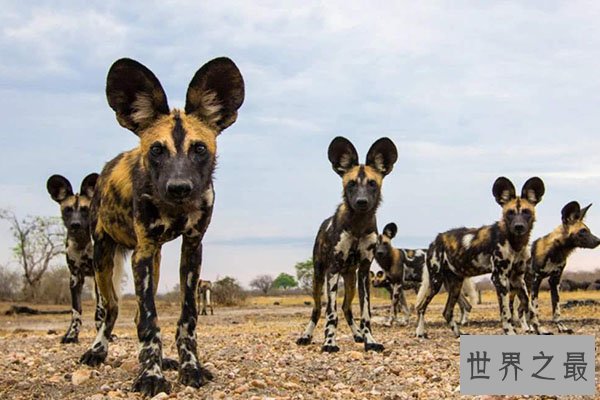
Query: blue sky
467, 91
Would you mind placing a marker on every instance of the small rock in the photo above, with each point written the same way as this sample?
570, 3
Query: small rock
97, 397
160, 396
356, 355
105, 388
339, 386
80, 376
378, 370
258, 383
52, 332
129, 365
241, 389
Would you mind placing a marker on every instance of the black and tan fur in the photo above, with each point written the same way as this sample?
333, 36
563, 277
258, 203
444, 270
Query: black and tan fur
346, 241
549, 256
204, 296
74, 209
154, 193
502, 249
403, 270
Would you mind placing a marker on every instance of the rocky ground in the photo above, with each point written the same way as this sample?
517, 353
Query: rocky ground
252, 353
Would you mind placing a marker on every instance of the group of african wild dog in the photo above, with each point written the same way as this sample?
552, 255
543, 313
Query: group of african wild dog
163, 189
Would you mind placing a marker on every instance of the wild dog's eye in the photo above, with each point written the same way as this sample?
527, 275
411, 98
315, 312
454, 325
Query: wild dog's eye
372, 183
156, 149
582, 231
510, 212
68, 210
199, 148
526, 212
351, 185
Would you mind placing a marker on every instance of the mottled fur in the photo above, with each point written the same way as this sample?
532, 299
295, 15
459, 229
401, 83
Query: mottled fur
74, 209
154, 193
501, 248
549, 256
402, 270
346, 241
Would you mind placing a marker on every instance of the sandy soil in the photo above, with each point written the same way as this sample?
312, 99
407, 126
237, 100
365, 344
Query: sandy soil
252, 353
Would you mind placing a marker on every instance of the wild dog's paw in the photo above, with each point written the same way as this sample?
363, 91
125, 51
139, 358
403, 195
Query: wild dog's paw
169, 364
358, 339
328, 348
374, 347
150, 383
304, 341
69, 339
93, 358
195, 376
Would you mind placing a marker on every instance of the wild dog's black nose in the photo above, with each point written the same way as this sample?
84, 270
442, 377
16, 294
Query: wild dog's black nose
379, 253
362, 202
75, 225
179, 188
519, 228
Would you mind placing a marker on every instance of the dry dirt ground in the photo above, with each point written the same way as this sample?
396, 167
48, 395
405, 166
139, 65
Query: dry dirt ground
252, 353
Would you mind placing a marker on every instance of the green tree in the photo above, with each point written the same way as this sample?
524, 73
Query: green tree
284, 281
304, 274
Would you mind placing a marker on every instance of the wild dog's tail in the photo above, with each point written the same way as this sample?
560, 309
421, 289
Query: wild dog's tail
425, 288
468, 289
118, 269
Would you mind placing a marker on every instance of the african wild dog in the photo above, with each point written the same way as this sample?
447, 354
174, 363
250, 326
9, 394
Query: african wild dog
74, 209
204, 292
402, 270
501, 248
154, 193
346, 241
549, 256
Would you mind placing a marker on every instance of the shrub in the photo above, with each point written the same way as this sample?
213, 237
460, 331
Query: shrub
228, 292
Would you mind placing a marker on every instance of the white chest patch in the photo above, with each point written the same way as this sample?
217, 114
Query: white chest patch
191, 223
506, 251
366, 246
344, 245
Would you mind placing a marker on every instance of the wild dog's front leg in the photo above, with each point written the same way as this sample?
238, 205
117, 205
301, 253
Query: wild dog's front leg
349, 291
104, 253
365, 307
526, 308
502, 285
402, 305
330, 346
190, 371
554, 282
150, 379
76, 285
100, 312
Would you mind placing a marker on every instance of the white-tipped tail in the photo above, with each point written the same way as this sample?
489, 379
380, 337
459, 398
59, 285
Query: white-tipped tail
424, 289
469, 290
118, 270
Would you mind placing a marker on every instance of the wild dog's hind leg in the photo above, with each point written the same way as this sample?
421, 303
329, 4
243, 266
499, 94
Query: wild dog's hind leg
318, 281
150, 379
76, 285
454, 285
465, 308
402, 305
365, 307
430, 286
104, 258
349, 291
100, 312
191, 372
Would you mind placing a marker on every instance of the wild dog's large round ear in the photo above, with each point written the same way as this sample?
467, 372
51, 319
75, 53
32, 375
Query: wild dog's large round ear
390, 230
503, 190
382, 155
584, 211
342, 155
215, 93
570, 213
59, 188
135, 94
533, 190
88, 184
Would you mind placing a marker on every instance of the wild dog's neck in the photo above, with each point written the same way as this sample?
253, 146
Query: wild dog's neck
560, 243
356, 222
80, 241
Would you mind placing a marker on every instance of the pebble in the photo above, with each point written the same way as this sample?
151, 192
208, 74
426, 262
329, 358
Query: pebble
258, 383
160, 396
241, 389
80, 376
